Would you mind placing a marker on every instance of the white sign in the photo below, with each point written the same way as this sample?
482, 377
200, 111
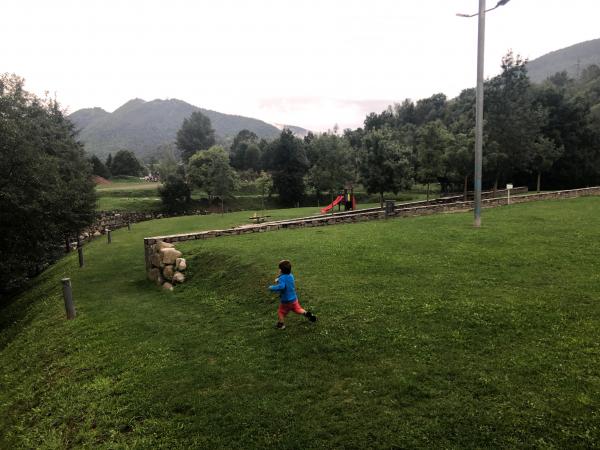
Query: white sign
509, 186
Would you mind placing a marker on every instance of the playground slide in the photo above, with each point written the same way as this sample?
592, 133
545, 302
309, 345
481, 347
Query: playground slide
335, 202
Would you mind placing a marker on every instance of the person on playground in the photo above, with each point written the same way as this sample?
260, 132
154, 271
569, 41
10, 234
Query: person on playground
287, 295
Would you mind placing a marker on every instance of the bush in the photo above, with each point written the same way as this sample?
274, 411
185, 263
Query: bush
175, 194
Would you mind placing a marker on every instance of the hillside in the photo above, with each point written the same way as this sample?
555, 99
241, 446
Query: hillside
142, 126
573, 59
431, 334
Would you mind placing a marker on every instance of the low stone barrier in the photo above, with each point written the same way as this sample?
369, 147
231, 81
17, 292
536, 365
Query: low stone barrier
166, 265
403, 210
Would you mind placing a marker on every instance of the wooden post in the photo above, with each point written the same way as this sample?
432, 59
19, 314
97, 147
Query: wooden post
390, 205
147, 254
128, 226
80, 252
68, 296
109, 238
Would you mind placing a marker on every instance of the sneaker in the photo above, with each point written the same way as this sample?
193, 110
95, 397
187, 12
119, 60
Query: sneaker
280, 326
310, 316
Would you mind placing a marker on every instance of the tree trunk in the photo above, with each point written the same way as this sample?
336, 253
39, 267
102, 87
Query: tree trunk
466, 186
539, 181
222, 207
381, 199
67, 245
495, 186
427, 192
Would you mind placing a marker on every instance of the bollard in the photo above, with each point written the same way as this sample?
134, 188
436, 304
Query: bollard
390, 205
80, 252
68, 295
128, 226
108, 236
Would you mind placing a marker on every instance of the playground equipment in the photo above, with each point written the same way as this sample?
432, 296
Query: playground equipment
345, 198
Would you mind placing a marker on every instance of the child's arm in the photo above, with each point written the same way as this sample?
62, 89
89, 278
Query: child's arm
280, 286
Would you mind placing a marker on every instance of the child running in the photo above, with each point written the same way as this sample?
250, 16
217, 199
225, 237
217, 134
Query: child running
287, 295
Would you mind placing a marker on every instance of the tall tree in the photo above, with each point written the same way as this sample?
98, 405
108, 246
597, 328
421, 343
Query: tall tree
513, 120
98, 167
210, 170
288, 164
245, 152
432, 141
330, 163
196, 133
175, 193
46, 190
385, 164
543, 153
125, 163
459, 159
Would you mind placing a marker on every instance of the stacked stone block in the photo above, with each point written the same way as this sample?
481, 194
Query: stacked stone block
166, 265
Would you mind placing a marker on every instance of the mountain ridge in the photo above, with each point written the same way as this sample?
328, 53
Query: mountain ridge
142, 126
574, 59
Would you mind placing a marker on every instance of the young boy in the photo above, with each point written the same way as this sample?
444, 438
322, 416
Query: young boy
287, 295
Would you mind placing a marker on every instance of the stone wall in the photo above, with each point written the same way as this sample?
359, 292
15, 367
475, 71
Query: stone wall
404, 210
166, 265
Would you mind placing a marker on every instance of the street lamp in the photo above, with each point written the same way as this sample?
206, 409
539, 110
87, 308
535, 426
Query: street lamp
479, 104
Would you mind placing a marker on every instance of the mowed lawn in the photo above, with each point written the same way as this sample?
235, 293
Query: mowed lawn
431, 334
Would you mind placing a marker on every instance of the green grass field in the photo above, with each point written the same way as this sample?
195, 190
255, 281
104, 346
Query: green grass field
135, 195
431, 334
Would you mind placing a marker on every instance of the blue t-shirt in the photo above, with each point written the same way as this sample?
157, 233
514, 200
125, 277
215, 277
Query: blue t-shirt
286, 288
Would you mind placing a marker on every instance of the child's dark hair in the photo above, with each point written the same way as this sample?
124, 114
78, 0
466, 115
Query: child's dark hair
285, 266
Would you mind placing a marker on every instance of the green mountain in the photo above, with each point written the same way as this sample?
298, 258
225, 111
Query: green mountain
143, 126
573, 59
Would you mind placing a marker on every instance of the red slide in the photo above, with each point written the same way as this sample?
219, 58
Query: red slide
335, 202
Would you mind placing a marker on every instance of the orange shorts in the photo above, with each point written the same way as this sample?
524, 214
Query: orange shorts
285, 308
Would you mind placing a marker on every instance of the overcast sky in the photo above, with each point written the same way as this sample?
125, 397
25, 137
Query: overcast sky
307, 63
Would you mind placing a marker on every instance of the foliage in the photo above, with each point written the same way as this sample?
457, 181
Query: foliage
513, 119
288, 165
459, 159
167, 161
330, 158
125, 163
175, 193
245, 152
432, 141
98, 167
46, 190
195, 134
384, 163
210, 171
542, 156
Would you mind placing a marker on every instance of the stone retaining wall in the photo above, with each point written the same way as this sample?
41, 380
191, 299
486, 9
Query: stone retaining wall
405, 210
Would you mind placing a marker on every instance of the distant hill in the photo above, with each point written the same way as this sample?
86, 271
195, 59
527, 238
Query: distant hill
142, 126
573, 59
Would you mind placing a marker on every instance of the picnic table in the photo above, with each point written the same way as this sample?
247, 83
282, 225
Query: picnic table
258, 219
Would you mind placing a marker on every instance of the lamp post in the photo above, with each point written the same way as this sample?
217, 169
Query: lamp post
479, 105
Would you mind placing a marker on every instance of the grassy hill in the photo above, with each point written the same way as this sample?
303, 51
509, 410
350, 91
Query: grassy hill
430, 334
142, 126
573, 59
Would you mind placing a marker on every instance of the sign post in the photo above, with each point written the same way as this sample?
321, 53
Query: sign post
508, 188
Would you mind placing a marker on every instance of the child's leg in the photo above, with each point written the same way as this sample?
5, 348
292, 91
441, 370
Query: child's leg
300, 310
297, 308
282, 312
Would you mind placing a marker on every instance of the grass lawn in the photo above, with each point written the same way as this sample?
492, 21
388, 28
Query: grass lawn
431, 334
135, 195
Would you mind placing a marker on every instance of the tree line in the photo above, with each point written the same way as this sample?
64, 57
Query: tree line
545, 135
46, 190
